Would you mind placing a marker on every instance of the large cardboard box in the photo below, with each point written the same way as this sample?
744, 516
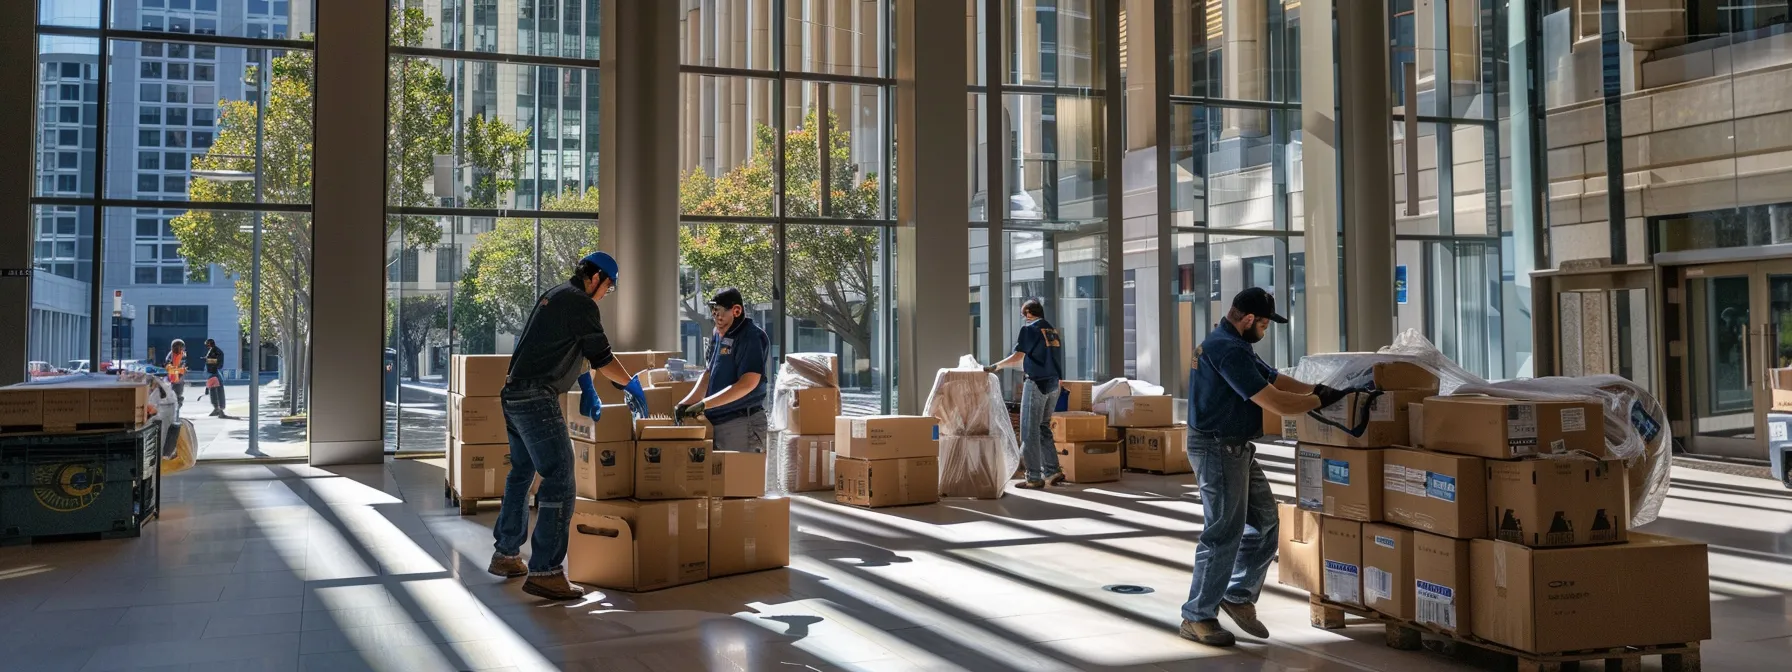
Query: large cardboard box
660, 400
886, 437
1341, 549
625, 544
672, 469
692, 432
737, 474
814, 411
878, 483
811, 463
1387, 570
1436, 492
748, 535
1158, 450
1079, 395
480, 469
1780, 379
118, 404
478, 375
1510, 428
1093, 462
1078, 427
1440, 582
1382, 419
1652, 590
1143, 411
643, 424
64, 407
615, 423
1350, 480
21, 406
1275, 424
1298, 562
1309, 477
1545, 503
603, 470
636, 362
476, 419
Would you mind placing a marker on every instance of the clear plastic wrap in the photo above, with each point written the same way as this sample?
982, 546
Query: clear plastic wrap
1343, 370
799, 371
978, 450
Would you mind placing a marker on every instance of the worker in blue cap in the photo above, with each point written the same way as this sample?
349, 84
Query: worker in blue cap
564, 332
731, 393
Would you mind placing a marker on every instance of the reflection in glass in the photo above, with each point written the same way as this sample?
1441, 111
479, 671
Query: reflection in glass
835, 301
714, 256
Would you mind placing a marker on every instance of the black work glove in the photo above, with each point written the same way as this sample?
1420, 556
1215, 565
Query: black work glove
1328, 396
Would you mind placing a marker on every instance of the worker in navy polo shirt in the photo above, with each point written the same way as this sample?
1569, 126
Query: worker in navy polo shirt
731, 393
1039, 351
1229, 386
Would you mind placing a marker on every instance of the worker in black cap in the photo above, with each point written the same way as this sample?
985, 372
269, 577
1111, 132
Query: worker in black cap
731, 393
1228, 388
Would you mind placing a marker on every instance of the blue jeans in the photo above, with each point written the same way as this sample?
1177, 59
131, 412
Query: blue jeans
1238, 537
1037, 449
538, 443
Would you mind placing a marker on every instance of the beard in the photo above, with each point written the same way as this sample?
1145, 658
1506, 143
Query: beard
1253, 335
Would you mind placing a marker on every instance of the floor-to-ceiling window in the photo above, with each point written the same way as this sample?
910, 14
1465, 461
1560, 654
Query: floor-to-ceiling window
173, 202
492, 158
784, 185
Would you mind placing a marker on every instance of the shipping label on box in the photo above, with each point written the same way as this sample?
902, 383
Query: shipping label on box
479, 375
1650, 591
1078, 394
1309, 477
1436, 492
1440, 570
630, 545
877, 483
672, 469
603, 470
886, 437
615, 423
748, 535
1079, 427
1142, 411
1094, 462
1564, 502
1502, 428
1158, 450
814, 411
1352, 482
1341, 550
1380, 418
737, 474
1387, 569
811, 463
1298, 562
477, 419
481, 469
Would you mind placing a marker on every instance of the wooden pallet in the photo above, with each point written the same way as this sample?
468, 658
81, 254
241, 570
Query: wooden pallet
1409, 636
470, 505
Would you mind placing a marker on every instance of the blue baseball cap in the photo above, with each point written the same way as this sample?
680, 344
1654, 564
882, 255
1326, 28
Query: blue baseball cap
604, 262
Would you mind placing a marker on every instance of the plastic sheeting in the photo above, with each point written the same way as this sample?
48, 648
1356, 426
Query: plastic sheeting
978, 450
799, 371
1120, 387
1343, 370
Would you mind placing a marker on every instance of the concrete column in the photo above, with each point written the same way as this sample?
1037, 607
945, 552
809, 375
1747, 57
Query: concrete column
1246, 63
1366, 139
1319, 172
1114, 169
348, 298
933, 206
18, 46
639, 222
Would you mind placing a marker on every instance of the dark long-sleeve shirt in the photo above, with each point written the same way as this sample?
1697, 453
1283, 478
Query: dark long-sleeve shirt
564, 328
214, 360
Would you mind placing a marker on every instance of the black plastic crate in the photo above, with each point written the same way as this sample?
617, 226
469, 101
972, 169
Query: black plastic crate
103, 484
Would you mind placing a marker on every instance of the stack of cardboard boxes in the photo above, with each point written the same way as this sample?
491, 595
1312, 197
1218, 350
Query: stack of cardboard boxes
65, 408
973, 454
1444, 513
808, 437
1089, 451
886, 460
478, 446
1155, 442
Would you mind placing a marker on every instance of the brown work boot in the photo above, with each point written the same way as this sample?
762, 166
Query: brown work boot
1206, 632
1245, 615
552, 586
1056, 478
510, 566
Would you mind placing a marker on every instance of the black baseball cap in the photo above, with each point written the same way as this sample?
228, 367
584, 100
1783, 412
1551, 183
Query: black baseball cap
729, 297
1258, 301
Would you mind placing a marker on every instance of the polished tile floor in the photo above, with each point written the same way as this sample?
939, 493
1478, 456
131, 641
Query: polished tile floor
286, 567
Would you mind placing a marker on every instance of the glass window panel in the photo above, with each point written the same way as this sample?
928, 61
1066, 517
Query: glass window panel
837, 303
1239, 262
728, 141
74, 13
1054, 43
67, 60
1054, 168
854, 156
841, 38
1067, 273
300, 13
714, 256
733, 34
568, 28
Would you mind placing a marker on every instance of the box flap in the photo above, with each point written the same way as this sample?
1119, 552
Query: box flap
672, 433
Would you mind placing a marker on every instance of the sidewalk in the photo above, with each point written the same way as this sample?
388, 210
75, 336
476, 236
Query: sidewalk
228, 438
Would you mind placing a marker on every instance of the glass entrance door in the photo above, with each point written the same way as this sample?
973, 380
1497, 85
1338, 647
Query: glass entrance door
1738, 323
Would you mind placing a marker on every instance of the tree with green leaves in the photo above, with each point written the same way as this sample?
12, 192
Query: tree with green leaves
501, 269
421, 320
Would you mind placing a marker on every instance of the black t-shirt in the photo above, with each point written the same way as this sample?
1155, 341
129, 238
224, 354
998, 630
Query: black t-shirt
564, 328
1044, 350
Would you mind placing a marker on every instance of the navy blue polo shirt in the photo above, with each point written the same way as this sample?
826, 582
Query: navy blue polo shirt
1227, 373
1044, 350
741, 351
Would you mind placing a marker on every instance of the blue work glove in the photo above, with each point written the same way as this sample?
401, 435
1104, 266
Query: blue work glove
637, 398
589, 405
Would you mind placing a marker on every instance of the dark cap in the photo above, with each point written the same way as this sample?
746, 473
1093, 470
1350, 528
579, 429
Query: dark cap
1257, 301
729, 297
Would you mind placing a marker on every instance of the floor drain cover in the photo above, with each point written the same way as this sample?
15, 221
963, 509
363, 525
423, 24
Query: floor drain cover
1126, 589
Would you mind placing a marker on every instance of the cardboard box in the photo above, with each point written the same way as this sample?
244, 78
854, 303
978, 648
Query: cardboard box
615, 423
64, 407
1545, 503
476, 419
624, 544
1149, 411
1341, 550
814, 411
886, 437
1158, 450
1309, 477
660, 400
1436, 492
21, 406
1079, 395
480, 469
973, 466
478, 375
1440, 580
879, 483
1093, 462
1510, 428
748, 535
643, 360
607, 392
1298, 559
1415, 425
672, 469
737, 474
1383, 419
118, 404
1782, 400
1079, 427
603, 470
803, 360
1350, 480
1115, 434
1780, 379
1272, 424
641, 425
811, 463
1387, 570
675, 433
1652, 590
680, 389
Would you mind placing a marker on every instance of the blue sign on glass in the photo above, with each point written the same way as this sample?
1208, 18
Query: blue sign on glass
1337, 471
1440, 486
1400, 284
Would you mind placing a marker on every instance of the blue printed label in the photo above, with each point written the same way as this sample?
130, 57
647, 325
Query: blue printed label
1432, 590
936, 432
1440, 486
1337, 471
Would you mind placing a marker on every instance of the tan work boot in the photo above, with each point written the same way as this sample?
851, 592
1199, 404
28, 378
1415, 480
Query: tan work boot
1245, 615
510, 566
1206, 632
553, 587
